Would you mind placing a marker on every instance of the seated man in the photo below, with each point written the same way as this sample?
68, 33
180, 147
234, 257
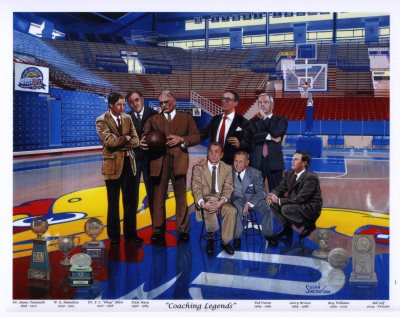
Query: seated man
297, 200
212, 189
248, 194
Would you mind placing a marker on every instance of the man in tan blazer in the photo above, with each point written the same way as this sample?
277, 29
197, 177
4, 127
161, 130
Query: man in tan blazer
118, 136
212, 186
181, 131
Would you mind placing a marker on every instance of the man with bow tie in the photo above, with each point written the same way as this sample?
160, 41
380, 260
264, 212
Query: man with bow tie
229, 129
119, 138
268, 130
297, 201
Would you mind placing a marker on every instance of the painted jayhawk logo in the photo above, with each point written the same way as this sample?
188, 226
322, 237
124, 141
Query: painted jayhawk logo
32, 78
183, 271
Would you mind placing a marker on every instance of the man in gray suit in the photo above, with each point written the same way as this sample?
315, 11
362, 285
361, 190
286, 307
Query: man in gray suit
249, 194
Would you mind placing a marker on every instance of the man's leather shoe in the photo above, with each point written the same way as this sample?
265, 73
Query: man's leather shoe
114, 242
157, 238
134, 240
228, 248
183, 236
272, 241
307, 231
210, 246
286, 231
237, 243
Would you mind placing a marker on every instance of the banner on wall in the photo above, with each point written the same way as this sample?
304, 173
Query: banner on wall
31, 78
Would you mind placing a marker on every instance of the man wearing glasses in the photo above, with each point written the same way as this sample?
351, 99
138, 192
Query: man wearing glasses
181, 131
140, 114
268, 132
229, 129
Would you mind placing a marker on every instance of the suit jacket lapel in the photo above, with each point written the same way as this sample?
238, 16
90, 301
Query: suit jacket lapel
246, 181
234, 125
207, 175
219, 178
112, 124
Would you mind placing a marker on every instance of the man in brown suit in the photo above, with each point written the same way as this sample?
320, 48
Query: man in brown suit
214, 180
181, 131
119, 137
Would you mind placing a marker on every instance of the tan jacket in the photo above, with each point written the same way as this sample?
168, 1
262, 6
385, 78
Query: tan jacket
183, 125
201, 181
115, 145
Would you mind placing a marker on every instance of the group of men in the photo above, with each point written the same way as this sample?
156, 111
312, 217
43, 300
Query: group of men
244, 158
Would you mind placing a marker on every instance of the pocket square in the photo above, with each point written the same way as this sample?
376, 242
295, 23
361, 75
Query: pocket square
238, 129
250, 185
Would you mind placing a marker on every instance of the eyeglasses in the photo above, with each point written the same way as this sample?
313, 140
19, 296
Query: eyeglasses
165, 102
226, 99
136, 99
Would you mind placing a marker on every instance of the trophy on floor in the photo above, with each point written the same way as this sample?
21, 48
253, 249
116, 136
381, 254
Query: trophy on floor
39, 267
363, 259
321, 239
80, 273
96, 249
65, 244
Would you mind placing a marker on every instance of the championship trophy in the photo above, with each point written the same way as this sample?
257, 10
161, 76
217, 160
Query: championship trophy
65, 244
39, 267
96, 249
80, 273
363, 259
321, 239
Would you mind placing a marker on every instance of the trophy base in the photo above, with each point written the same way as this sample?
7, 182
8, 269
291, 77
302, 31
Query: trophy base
95, 250
320, 254
36, 274
363, 278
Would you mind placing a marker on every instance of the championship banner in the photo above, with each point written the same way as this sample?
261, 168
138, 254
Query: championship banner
31, 78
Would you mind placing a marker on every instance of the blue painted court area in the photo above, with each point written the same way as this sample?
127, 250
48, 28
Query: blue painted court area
329, 164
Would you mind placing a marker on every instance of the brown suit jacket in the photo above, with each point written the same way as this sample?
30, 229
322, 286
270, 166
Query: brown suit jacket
201, 181
183, 125
115, 145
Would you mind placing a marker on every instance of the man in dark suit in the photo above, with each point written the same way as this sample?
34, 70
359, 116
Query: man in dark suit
249, 193
140, 114
181, 131
268, 130
229, 129
297, 200
119, 138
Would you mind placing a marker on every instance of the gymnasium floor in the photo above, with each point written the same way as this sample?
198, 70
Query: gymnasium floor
68, 189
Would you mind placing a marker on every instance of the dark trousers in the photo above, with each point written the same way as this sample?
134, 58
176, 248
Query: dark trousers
161, 194
114, 186
298, 215
142, 167
273, 177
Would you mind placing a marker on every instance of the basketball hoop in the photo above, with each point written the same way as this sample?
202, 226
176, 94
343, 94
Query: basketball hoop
303, 88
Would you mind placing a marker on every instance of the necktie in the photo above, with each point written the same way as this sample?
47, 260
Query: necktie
240, 180
213, 179
119, 125
139, 120
222, 132
265, 149
169, 117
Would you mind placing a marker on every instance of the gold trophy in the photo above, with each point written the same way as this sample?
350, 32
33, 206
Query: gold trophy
96, 249
39, 267
65, 244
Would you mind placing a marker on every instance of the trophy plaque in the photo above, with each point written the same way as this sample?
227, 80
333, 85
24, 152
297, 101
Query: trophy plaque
363, 260
80, 273
321, 239
39, 266
65, 244
96, 249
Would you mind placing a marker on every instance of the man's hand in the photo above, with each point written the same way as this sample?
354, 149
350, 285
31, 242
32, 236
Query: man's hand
272, 198
245, 210
173, 140
260, 114
277, 140
201, 162
234, 141
143, 144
